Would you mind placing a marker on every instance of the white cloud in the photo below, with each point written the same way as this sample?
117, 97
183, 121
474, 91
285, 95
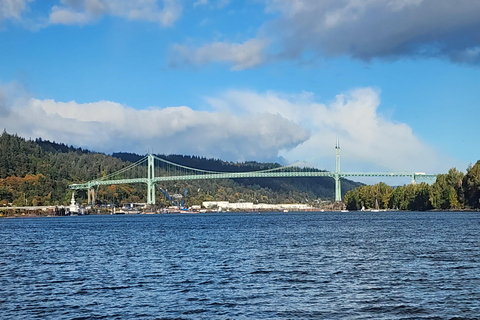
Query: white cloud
60, 15
86, 11
248, 54
371, 142
12, 9
109, 126
378, 28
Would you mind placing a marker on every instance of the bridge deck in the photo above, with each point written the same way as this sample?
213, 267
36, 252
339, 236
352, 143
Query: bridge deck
259, 174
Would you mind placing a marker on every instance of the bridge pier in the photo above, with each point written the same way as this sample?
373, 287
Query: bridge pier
338, 188
150, 193
91, 196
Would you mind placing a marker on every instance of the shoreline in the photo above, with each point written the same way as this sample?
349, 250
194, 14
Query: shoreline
44, 214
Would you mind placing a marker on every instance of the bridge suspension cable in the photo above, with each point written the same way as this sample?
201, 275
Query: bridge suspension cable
116, 173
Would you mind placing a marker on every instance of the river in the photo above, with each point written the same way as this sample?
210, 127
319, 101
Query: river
357, 265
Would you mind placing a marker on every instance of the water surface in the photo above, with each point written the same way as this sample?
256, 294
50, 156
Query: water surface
242, 266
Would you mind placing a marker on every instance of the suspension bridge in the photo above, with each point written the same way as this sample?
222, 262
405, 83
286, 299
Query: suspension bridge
152, 170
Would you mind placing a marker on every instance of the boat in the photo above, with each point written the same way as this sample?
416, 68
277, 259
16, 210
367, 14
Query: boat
74, 208
377, 209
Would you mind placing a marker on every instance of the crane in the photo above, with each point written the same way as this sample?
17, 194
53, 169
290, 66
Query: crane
175, 198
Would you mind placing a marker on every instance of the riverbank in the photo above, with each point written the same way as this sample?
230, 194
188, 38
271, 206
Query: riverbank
37, 213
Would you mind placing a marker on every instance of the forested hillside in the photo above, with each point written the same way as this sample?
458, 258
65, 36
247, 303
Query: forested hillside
39, 172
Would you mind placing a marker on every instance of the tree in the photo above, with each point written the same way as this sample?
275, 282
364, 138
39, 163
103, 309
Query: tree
6, 195
397, 200
352, 200
471, 186
447, 191
421, 200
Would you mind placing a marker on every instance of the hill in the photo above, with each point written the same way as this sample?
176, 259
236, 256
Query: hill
39, 172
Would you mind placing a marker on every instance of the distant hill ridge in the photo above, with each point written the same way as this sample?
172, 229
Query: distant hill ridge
205, 163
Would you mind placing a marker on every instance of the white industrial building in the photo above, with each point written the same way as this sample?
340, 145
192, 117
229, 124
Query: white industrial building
225, 205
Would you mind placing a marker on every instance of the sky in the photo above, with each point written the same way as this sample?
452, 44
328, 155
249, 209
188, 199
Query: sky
396, 81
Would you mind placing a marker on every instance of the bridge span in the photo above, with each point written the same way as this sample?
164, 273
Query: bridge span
159, 170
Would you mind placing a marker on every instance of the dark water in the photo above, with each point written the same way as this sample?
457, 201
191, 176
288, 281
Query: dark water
239, 266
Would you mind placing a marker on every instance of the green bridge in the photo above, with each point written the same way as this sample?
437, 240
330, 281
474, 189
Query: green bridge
152, 169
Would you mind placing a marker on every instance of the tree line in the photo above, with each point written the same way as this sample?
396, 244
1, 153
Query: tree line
451, 191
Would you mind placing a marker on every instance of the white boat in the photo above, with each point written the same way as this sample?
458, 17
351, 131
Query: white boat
74, 208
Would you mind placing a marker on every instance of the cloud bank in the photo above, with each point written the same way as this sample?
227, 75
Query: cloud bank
242, 125
371, 141
108, 126
365, 30
380, 28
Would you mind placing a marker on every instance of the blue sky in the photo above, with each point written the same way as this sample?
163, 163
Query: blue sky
397, 81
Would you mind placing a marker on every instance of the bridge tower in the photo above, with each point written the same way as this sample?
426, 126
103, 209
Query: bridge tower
338, 187
150, 181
